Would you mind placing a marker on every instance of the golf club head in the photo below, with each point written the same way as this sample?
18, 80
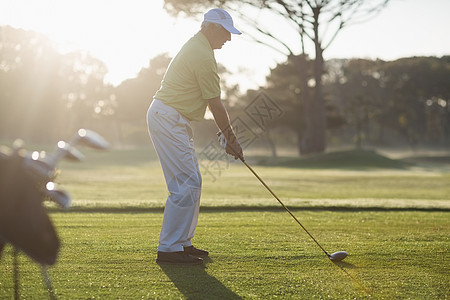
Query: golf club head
58, 196
338, 256
73, 154
91, 139
63, 150
40, 169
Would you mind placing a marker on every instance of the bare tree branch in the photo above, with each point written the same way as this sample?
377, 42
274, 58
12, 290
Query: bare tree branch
266, 33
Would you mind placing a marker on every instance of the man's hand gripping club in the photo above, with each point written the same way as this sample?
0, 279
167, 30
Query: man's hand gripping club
233, 148
222, 120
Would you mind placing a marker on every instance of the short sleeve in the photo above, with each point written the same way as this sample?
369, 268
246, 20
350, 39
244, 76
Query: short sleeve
208, 79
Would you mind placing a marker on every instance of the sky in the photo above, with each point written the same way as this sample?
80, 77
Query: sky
126, 34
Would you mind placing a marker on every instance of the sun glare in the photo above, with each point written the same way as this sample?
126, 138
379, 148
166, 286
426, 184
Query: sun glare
123, 34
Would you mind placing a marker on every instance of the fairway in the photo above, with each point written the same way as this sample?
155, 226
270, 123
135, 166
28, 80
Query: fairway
393, 222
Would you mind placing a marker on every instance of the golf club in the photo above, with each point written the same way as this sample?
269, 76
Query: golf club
41, 164
67, 149
89, 138
334, 257
58, 196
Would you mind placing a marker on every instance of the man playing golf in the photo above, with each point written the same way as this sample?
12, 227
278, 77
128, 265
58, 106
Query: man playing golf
191, 84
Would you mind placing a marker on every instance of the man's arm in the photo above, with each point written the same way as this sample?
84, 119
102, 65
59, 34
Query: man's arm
223, 122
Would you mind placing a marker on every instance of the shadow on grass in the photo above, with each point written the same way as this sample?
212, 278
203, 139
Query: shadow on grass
217, 209
343, 264
195, 283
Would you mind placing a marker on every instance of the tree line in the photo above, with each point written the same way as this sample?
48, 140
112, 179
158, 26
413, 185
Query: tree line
45, 95
371, 102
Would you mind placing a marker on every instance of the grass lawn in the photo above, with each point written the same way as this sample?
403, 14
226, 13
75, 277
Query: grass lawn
394, 223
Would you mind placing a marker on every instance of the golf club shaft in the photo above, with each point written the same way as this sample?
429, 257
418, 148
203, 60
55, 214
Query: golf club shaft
284, 206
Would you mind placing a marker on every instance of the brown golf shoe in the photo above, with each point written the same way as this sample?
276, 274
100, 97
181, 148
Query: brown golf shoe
191, 250
177, 258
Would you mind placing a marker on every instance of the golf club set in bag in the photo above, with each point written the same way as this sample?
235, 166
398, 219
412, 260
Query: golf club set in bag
334, 257
26, 180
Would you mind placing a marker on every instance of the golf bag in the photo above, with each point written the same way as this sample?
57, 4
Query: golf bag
26, 181
24, 222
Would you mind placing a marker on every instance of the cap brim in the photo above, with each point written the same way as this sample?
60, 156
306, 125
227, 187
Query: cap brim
231, 29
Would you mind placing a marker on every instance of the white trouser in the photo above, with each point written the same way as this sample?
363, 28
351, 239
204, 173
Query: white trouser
172, 138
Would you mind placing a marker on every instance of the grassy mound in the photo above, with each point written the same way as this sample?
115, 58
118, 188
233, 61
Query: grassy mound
351, 159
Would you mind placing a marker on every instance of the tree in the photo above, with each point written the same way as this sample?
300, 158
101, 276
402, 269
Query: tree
418, 91
360, 96
84, 95
134, 95
317, 22
283, 84
404, 100
28, 65
45, 95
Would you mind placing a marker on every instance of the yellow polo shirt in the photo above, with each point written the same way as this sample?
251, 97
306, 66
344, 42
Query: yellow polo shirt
191, 79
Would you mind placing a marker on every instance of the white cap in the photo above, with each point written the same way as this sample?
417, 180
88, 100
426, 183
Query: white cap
220, 16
